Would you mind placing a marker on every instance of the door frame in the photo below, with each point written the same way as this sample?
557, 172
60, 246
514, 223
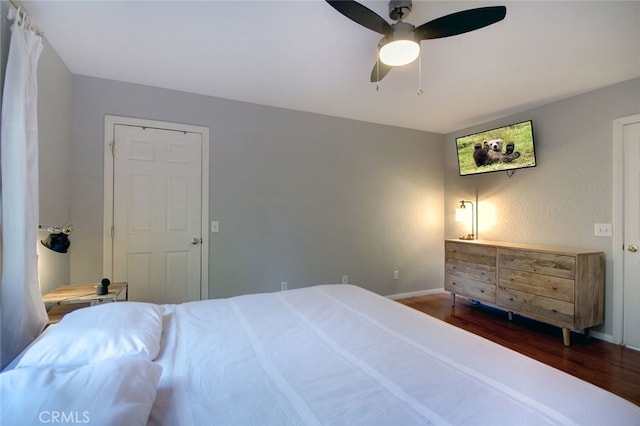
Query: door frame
618, 225
110, 121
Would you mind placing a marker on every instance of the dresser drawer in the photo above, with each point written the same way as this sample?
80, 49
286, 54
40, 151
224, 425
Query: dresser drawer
470, 288
543, 308
556, 265
474, 271
541, 285
470, 253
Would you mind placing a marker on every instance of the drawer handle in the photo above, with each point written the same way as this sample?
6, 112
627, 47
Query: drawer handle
511, 299
554, 288
481, 291
554, 311
453, 283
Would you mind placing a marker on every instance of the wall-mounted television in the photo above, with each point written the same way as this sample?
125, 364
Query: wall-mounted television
505, 148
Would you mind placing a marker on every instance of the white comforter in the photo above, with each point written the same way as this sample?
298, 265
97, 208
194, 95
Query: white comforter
342, 355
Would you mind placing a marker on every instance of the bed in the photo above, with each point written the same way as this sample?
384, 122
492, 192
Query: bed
323, 355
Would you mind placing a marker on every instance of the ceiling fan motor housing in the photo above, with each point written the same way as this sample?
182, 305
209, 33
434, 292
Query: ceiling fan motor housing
399, 9
401, 31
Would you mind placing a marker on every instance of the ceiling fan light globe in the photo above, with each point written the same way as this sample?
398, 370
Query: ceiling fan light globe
399, 52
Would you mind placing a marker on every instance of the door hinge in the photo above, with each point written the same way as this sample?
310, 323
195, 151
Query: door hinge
113, 148
113, 232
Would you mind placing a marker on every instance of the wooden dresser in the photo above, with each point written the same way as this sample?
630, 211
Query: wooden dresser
559, 286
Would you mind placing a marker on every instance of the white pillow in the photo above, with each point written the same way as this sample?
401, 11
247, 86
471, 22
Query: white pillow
113, 392
110, 330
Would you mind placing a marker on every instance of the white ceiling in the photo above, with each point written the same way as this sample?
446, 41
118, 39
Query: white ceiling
304, 55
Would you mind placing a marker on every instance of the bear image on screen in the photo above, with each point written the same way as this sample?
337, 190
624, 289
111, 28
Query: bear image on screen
504, 148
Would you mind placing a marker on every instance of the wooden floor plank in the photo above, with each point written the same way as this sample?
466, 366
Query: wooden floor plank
609, 366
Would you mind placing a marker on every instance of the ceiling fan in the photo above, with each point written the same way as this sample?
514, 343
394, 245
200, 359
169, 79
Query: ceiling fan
401, 42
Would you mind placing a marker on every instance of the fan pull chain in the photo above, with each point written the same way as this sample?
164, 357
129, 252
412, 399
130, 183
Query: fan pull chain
378, 69
420, 91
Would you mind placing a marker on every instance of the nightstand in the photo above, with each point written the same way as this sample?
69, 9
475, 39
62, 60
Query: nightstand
68, 298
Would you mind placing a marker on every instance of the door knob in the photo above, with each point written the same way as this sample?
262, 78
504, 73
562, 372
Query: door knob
633, 248
196, 240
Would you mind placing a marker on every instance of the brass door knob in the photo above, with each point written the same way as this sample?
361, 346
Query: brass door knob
633, 248
195, 241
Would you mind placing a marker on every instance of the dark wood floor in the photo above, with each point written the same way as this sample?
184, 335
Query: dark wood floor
611, 367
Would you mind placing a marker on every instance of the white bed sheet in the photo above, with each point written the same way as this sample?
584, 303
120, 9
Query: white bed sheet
340, 355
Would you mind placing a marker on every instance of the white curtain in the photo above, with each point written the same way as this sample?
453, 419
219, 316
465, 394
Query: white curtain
22, 312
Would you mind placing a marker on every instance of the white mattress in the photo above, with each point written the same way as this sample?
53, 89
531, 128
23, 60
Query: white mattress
341, 355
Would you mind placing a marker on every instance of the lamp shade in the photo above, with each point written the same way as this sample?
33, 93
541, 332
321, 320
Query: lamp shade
399, 52
462, 214
57, 242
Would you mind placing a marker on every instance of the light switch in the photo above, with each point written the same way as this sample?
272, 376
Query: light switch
602, 230
215, 226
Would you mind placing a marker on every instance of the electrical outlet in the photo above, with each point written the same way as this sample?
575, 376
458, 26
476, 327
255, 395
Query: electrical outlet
345, 279
396, 275
602, 230
283, 285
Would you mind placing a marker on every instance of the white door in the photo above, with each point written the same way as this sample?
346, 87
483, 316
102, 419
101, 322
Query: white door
157, 213
631, 259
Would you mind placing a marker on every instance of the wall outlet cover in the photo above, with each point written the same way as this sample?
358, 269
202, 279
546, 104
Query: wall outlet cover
603, 230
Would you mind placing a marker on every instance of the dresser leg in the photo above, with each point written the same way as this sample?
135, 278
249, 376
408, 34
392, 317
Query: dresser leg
566, 336
453, 299
510, 314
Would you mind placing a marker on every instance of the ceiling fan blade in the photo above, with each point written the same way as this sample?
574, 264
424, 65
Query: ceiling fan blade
461, 22
379, 71
362, 15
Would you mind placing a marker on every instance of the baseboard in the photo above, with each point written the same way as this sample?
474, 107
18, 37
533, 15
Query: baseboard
603, 336
415, 293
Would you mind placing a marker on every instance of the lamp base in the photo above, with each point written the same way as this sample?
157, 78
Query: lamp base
467, 237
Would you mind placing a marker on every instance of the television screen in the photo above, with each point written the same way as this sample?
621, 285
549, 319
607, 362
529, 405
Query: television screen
504, 148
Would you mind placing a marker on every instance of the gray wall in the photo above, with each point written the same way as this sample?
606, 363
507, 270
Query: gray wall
300, 197
54, 134
559, 201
